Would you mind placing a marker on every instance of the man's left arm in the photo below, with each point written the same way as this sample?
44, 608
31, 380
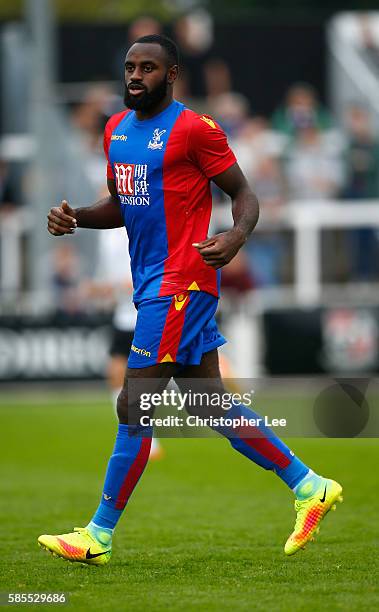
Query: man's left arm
220, 249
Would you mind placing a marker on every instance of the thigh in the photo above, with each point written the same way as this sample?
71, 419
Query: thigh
153, 379
159, 371
205, 380
207, 368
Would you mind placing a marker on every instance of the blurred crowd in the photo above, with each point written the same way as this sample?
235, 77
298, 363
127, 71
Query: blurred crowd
298, 154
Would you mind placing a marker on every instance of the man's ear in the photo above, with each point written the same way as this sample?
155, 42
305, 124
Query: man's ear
172, 74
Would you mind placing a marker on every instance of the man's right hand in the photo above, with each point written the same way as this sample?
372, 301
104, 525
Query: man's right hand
61, 220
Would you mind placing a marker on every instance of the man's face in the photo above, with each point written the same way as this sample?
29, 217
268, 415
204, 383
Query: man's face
147, 76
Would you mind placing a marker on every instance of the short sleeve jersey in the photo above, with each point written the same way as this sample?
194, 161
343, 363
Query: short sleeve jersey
162, 168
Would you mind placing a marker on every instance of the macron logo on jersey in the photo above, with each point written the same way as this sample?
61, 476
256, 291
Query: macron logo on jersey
122, 137
132, 185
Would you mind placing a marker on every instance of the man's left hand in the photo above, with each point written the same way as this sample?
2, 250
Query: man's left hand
220, 249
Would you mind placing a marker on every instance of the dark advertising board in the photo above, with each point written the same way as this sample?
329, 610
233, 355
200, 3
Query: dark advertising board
55, 348
297, 342
335, 340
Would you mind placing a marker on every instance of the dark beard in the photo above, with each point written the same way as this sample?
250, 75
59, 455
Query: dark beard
148, 100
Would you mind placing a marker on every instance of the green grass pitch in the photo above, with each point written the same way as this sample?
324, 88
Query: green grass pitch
204, 530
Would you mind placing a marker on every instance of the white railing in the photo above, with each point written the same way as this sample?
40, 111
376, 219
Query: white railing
306, 219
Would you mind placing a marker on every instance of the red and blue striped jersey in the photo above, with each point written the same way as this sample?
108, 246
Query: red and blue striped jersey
162, 168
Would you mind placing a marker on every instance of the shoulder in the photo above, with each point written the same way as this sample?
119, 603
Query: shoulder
115, 119
204, 130
208, 145
195, 126
111, 125
202, 123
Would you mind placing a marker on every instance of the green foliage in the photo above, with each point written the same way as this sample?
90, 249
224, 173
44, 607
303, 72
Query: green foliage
125, 10
109, 10
93, 10
11, 9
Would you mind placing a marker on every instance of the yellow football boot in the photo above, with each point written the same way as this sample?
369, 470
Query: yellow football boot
310, 512
78, 546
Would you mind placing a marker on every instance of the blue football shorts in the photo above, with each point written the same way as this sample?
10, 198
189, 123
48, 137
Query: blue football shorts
177, 329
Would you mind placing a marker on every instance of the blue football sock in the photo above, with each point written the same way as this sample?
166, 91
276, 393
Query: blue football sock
261, 445
101, 534
308, 485
129, 458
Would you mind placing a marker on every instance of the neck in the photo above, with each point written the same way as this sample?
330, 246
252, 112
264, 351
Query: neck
143, 115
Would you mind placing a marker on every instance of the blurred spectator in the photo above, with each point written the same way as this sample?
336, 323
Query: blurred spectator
265, 251
89, 118
258, 149
194, 35
231, 111
8, 201
313, 166
182, 91
217, 78
362, 182
236, 278
90, 115
12, 225
142, 26
269, 186
362, 155
65, 279
300, 110
267, 248
253, 142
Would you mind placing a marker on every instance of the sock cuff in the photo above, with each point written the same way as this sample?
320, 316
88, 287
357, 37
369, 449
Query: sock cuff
307, 475
92, 524
135, 431
107, 516
293, 473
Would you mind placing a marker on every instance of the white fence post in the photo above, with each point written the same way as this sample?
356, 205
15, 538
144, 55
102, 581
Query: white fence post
307, 260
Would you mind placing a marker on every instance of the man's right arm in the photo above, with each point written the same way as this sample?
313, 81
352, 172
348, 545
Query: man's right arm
104, 214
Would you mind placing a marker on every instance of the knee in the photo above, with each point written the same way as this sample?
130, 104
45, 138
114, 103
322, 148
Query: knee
122, 406
128, 409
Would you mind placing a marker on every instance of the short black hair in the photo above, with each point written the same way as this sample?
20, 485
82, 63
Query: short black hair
166, 43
